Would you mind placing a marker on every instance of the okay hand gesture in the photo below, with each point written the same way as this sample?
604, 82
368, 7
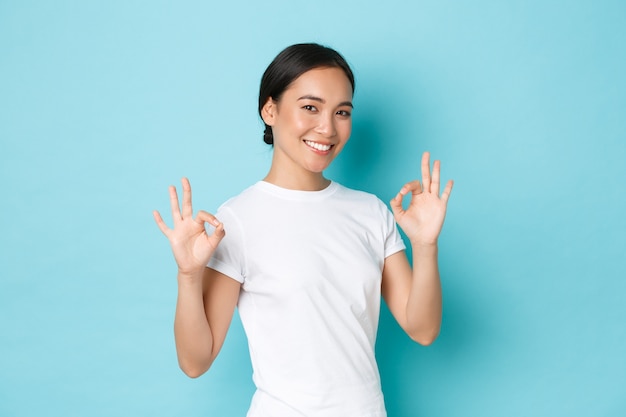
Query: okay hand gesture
191, 244
423, 219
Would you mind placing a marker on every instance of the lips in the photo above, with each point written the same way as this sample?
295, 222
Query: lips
318, 146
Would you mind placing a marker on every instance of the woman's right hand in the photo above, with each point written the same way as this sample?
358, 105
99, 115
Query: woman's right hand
191, 244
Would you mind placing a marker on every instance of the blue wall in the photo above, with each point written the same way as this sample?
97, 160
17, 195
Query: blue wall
104, 104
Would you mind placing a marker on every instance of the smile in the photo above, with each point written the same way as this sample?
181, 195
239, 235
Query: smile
318, 146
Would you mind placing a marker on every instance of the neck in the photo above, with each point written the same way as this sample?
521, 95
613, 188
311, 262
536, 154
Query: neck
312, 182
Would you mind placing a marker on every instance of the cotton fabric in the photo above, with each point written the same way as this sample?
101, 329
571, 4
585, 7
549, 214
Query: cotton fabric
310, 264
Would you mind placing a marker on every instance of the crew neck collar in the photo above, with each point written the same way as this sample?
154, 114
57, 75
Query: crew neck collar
298, 194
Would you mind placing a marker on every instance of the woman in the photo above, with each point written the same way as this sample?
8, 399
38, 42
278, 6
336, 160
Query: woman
305, 259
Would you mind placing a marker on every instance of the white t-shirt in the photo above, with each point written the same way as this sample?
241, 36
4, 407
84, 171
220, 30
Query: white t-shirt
310, 264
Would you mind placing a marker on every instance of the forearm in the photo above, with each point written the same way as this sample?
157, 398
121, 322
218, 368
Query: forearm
424, 305
194, 340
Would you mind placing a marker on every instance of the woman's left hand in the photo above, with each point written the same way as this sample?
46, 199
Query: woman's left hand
423, 219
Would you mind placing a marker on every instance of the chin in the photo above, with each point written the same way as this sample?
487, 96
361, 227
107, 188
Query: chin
317, 168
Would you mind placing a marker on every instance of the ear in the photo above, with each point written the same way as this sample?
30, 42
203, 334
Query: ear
268, 112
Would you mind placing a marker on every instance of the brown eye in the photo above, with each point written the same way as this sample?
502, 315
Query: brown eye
344, 113
309, 107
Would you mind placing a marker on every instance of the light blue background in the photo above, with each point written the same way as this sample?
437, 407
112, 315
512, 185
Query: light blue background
104, 104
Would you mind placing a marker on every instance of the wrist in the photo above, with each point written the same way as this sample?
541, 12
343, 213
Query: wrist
424, 248
190, 278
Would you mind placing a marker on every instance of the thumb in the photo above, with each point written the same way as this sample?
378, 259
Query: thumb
218, 232
396, 205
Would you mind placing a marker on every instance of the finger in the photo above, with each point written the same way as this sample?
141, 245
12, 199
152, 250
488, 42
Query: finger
174, 203
446, 191
396, 203
187, 209
426, 171
414, 187
434, 186
204, 216
218, 232
159, 221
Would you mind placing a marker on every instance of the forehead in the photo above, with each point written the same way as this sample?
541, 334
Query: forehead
327, 83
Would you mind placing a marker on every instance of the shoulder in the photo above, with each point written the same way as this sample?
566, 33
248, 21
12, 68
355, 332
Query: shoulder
360, 198
241, 200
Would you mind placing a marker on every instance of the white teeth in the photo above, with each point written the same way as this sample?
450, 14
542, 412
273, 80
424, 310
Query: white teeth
317, 146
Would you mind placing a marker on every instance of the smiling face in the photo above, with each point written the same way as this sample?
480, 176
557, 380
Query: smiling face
311, 124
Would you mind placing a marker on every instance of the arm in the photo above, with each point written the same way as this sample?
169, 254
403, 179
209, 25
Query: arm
204, 310
206, 298
414, 295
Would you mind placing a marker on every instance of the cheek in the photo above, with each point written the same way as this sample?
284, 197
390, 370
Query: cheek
345, 129
298, 123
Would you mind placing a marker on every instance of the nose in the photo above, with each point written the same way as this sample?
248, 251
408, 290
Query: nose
326, 126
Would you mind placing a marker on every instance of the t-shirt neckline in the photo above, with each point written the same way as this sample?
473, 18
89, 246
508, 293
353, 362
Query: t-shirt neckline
297, 194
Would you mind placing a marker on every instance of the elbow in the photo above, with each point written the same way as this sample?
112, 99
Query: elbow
194, 362
424, 341
193, 370
424, 338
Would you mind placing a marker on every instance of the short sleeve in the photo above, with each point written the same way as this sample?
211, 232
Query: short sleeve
229, 257
393, 240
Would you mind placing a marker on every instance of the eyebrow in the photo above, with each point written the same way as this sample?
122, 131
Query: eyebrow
321, 100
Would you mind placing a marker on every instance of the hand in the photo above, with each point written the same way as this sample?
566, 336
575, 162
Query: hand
423, 219
191, 244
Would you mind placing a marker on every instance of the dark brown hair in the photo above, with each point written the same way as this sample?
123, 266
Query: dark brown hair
291, 63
